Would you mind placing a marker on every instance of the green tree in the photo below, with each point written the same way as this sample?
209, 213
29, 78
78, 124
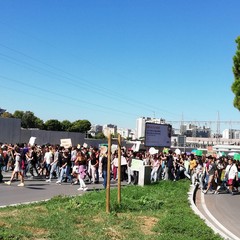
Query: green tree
29, 120
18, 114
66, 125
80, 126
6, 115
53, 125
39, 123
236, 72
100, 136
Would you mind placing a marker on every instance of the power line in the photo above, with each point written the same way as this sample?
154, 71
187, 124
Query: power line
108, 93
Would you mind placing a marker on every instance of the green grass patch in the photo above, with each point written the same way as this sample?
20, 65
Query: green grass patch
158, 211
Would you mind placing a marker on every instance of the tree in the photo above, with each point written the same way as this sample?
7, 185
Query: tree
39, 123
6, 115
100, 136
18, 114
236, 73
29, 120
66, 125
80, 126
53, 125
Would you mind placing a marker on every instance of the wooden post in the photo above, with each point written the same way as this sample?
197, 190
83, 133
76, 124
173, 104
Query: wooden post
108, 174
119, 168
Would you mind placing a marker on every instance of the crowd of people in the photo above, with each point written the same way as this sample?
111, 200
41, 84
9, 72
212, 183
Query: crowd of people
81, 165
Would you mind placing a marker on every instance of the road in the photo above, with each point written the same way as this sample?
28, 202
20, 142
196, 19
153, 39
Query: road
222, 211
39, 190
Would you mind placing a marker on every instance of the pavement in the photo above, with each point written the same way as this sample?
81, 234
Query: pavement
37, 189
220, 212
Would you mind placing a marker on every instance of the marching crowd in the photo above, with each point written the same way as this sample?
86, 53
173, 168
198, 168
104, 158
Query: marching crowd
78, 165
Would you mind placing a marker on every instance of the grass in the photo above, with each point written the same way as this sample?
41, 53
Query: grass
159, 211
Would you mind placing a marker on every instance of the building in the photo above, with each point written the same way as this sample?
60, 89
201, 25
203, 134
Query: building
95, 129
125, 133
231, 134
191, 130
109, 128
140, 128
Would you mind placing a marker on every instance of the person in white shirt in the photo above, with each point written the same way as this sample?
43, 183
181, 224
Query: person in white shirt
48, 159
232, 175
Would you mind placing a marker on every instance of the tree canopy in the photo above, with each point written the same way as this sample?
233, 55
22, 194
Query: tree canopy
236, 73
80, 126
29, 120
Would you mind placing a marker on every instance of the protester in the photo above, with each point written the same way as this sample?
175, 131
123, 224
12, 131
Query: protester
18, 168
231, 175
212, 173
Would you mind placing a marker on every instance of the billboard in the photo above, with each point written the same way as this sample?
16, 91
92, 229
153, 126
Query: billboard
158, 135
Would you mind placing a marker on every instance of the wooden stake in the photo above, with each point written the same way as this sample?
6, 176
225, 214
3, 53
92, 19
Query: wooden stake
119, 169
108, 174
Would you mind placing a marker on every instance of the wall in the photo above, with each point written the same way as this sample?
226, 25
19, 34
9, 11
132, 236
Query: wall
10, 130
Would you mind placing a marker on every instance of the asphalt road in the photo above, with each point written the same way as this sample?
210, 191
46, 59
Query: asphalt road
38, 189
222, 210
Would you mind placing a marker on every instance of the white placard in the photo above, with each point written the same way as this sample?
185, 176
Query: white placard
153, 151
85, 145
114, 148
136, 164
66, 143
178, 151
103, 149
32, 141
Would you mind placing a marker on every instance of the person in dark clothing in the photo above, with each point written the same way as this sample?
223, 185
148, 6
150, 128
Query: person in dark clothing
170, 165
65, 167
104, 163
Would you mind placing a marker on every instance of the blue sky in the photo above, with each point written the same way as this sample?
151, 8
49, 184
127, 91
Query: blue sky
115, 61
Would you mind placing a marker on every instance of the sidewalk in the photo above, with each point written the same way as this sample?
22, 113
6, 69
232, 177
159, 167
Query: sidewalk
37, 189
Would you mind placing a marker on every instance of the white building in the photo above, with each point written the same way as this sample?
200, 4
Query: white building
95, 129
109, 128
140, 129
124, 132
231, 134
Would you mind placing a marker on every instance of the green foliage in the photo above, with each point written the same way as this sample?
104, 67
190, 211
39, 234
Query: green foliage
6, 115
81, 126
236, 73
53, 125
100, 136
28, 119
18, 114
66, 125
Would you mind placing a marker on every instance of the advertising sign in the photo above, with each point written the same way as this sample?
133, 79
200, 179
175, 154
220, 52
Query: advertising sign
158, 135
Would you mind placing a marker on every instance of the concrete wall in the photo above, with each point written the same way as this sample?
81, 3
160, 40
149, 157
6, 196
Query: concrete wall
52, 137
10, 130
